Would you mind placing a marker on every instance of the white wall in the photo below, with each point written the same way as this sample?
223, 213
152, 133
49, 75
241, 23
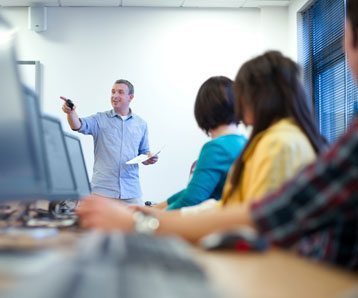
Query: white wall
167, 53
273, 27
293, 10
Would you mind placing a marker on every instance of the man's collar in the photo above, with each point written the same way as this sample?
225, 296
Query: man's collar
112, 114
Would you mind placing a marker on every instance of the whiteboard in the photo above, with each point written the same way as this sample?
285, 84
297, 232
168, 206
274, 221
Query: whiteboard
30, 75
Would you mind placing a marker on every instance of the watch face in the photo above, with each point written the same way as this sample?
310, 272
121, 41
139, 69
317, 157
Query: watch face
153, 223
145, 223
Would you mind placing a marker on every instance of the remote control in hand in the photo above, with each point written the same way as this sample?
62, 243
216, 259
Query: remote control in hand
68, 101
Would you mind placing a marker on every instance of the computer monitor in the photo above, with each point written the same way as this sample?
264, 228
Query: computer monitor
78, 163
62, 184
22, 168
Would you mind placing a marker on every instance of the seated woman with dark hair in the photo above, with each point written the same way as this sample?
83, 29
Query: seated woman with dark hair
271, 98
214, 113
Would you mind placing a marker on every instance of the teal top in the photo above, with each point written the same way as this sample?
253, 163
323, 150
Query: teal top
215, 160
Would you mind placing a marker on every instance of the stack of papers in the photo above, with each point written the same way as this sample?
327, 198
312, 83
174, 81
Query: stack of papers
141, 158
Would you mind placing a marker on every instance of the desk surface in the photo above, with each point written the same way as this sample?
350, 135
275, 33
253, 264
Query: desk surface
275, 274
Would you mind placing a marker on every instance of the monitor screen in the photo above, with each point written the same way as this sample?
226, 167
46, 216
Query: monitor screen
62, 185
22, 168
78, 163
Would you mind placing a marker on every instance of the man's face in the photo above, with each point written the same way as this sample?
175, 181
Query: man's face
120, 98
351, 50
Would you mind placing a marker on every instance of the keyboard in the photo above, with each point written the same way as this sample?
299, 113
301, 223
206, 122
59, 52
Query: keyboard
52, 222
123, 266
55, 217
61, 215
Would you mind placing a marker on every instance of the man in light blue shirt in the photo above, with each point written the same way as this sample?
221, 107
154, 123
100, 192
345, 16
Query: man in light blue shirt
119, 136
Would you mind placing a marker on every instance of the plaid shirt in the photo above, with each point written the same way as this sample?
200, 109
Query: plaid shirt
317, 211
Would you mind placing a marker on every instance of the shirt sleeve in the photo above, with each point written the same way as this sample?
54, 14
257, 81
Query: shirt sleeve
206, 177
175, 196
89, 125
144, 143
323, 193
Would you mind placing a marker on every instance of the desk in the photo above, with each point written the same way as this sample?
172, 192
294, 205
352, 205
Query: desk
275, 274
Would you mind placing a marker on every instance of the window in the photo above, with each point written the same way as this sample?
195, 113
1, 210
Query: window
326, 72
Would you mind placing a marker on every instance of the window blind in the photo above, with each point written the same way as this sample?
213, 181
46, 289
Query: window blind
327, 77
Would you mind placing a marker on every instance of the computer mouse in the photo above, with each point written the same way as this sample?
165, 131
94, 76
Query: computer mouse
242, 239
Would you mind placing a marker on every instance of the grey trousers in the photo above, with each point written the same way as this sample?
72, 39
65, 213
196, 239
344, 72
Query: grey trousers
134, 201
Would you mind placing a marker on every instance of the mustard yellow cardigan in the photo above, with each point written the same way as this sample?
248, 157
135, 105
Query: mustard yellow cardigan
274, 156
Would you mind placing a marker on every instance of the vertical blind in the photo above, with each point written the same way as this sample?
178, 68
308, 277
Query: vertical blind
327, 77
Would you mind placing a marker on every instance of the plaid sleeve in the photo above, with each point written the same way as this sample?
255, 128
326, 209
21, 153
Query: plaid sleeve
316, 197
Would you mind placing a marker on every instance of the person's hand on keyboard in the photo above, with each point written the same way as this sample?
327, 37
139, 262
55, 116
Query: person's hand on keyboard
104, 214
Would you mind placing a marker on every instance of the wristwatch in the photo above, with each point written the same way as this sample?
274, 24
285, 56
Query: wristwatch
145, 223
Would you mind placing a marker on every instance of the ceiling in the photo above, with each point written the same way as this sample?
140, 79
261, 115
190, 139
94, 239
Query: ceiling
148, 3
